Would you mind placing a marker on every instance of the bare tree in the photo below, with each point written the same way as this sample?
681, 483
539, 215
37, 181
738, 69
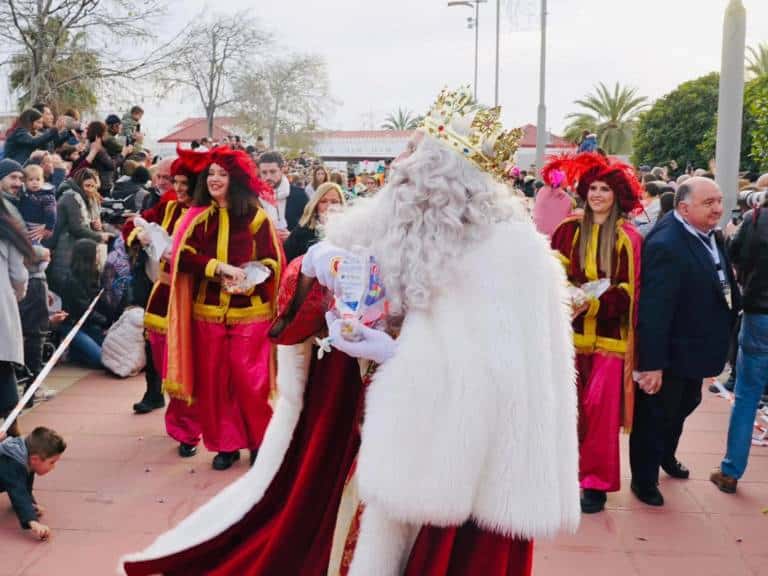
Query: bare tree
215, 52
35, 35
283, 95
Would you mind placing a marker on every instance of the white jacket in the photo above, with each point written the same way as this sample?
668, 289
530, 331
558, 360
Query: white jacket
123, 349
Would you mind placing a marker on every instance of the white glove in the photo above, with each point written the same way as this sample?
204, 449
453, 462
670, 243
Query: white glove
319, 262
375, 345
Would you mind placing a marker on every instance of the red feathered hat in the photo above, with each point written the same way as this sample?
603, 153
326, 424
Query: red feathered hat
240, 166
189, 163
581, 170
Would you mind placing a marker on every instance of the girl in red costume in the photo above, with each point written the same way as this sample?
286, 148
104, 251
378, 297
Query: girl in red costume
218, 352
602, 244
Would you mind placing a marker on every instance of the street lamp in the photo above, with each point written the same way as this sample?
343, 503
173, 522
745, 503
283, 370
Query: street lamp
731, 104
472, 23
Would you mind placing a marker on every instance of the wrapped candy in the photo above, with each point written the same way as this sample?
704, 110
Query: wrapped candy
255, 273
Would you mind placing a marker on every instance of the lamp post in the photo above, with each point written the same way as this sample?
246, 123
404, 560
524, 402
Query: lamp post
473, 23
541, 124
498, 42
731, 104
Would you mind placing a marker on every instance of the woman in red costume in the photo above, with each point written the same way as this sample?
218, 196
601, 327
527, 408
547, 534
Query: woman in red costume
602, 244
181, 418
219, 355
279, 519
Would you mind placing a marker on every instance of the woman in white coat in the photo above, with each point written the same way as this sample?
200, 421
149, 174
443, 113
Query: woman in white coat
14, 249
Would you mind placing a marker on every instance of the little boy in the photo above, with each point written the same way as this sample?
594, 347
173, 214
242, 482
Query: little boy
37, 204
20, 460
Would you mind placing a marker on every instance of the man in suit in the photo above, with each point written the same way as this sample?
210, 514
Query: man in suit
290, 200
688, 303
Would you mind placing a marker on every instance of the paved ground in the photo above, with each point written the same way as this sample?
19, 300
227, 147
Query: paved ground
121, 482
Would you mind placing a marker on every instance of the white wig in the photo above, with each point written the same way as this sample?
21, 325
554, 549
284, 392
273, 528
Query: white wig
434, 207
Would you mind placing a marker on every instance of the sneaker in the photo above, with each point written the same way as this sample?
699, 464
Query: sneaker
44, 393
676, 469
724, 482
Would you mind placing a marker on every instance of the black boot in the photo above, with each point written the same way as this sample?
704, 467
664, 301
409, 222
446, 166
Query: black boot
153, 397
648, 494
224, 460
592, 501
187, 450
676, 469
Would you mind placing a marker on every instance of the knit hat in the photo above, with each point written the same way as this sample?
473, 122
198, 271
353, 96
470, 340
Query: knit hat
9, 166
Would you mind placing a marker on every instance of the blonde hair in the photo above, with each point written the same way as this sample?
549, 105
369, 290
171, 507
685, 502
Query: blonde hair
309, 218
31, 170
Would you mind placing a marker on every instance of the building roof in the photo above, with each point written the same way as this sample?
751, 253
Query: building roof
527, 141
197, 128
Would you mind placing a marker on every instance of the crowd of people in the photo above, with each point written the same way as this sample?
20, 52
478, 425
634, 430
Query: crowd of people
231, 253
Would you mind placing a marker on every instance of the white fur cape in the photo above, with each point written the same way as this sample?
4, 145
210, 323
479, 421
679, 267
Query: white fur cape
475, 415
231, 504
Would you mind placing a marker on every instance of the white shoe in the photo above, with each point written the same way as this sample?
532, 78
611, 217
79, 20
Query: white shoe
43, 393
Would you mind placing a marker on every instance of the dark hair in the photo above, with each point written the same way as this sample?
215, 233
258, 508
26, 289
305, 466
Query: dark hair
140, 175
81, 176
41, 106
667, 202
272, 158
653, 189
66, 151
650, 177
84, 266
11, 232
45, 443
241, 201
194, 144
137, 110
28, 117
96, 129
72, 113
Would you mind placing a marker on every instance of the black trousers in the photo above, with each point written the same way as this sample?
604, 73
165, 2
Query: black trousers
658, 425
34, 323
9, 393
152, 375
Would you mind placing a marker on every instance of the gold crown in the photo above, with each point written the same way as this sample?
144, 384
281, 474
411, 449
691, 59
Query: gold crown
473, 131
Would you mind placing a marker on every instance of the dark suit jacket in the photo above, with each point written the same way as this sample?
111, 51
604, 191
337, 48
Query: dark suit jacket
294, 206
684, 323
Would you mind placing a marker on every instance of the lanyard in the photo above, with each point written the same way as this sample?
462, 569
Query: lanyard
708, 241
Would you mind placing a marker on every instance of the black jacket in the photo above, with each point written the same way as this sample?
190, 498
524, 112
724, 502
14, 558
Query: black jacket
294, 206
75, 299
749, 254
684, 323
298, 242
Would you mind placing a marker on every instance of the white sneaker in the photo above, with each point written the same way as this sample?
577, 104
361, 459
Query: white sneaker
44, 393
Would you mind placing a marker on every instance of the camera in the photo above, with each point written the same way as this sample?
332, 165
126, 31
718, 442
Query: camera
113, 211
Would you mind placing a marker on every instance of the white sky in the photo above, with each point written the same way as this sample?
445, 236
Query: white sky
385, 54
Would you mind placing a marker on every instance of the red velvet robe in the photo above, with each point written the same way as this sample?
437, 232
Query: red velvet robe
290, 530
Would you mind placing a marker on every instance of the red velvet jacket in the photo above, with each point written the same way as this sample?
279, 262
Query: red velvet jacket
605, 325
216, 238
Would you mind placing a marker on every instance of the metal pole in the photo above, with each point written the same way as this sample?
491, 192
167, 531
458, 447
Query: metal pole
731, 105
541, 126
498, 41
477, 42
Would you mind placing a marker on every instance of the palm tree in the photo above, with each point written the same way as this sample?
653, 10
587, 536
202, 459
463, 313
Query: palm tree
757, 61
403, 119
612, 115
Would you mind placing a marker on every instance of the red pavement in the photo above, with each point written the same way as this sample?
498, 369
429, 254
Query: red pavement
120, 483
